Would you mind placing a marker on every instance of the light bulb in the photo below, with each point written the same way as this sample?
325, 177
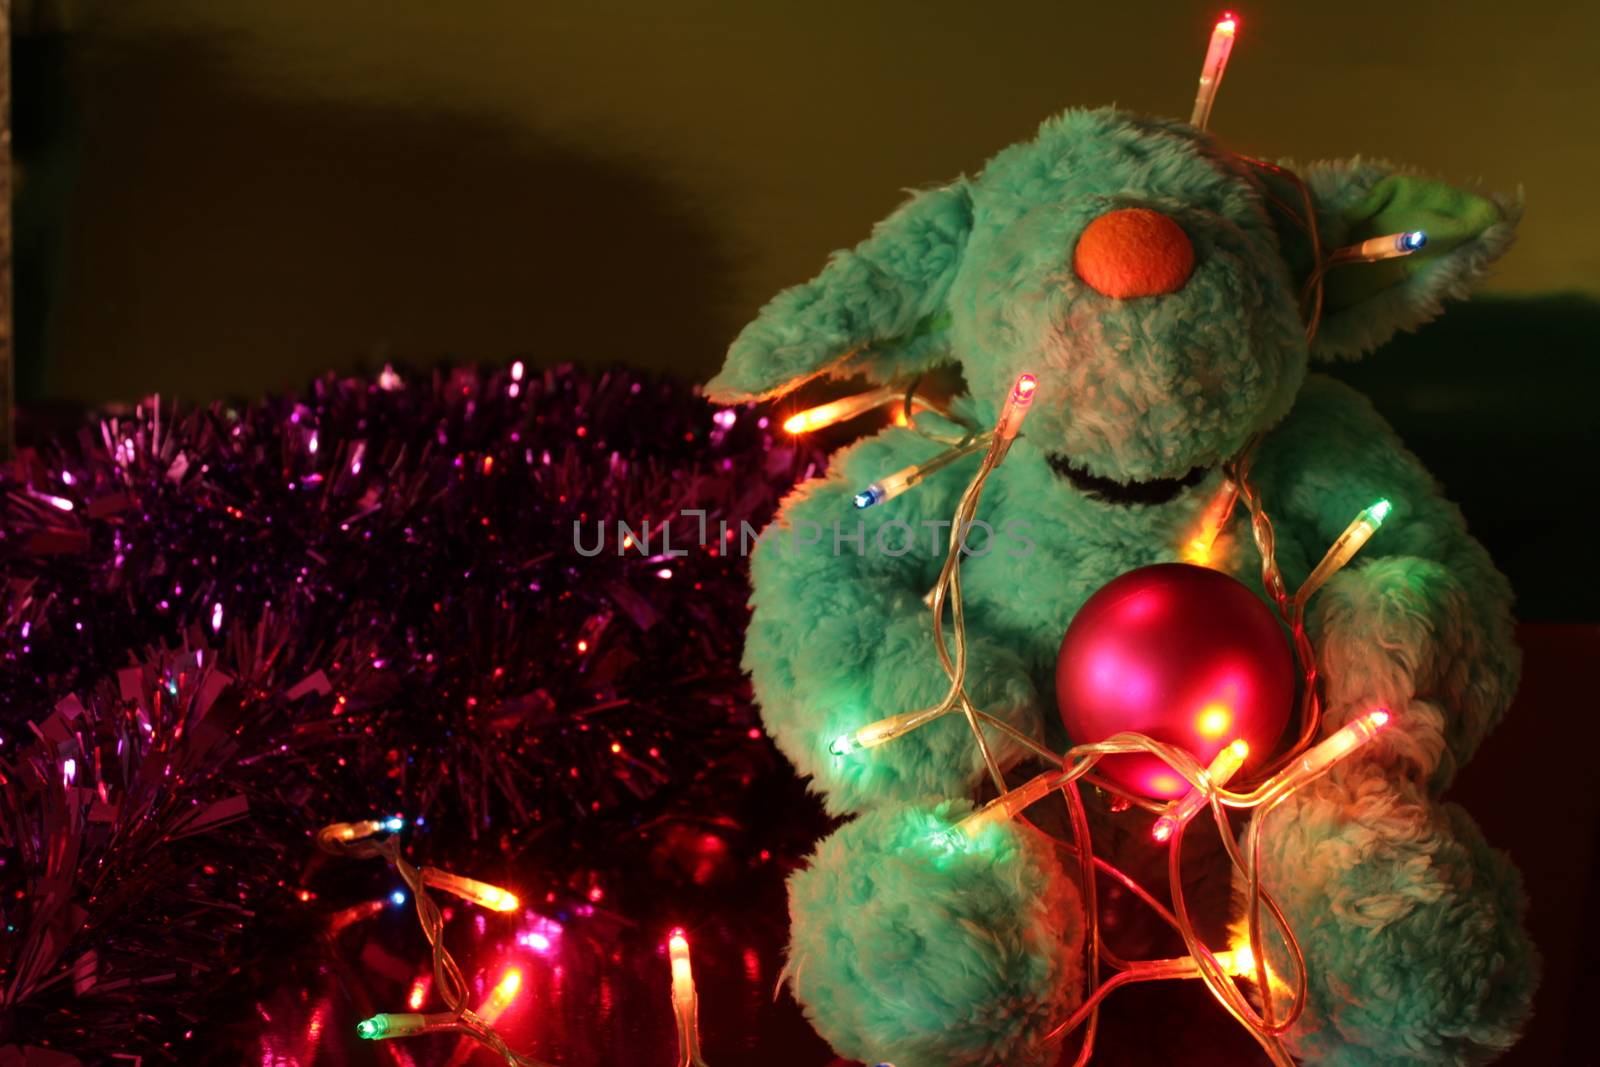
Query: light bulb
884, 730
1218, 50
1001, 809
1218, 510
500, 998
1018, 402
386, 1025
841, 410
1339, 744
891, 486
1387, 246
1360, 530
470, 889
1223, 767
1016, 407
682, 969
355, 831
872, 494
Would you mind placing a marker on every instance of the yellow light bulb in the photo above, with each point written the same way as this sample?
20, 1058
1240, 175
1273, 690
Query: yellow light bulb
1239, 962
1002, 809
841, 410
1223, 767
470, 889
682, 970
500, 998
1198, 549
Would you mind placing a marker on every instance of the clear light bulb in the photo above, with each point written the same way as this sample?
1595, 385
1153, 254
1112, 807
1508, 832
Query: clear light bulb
470, 889
1002, 809
1223, 767
876, 733
891, 486
841, 410
386, 1025
1218, 510
1360, 530
1218, 50
1339, 744
1388, 246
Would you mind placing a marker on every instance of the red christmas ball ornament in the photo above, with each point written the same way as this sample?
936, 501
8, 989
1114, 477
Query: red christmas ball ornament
1184, 654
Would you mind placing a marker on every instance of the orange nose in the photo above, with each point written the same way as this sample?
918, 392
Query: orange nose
1134, 251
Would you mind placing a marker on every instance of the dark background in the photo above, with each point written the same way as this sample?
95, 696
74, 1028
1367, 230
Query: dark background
226, 198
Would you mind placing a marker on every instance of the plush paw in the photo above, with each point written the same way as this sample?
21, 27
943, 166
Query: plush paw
908, 947
1411, 925
1403, 633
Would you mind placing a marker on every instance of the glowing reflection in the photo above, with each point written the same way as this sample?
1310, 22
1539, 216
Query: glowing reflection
1165, 784
505, 991
1214, 720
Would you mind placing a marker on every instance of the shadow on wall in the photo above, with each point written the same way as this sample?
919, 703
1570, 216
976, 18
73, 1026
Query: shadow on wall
226, 241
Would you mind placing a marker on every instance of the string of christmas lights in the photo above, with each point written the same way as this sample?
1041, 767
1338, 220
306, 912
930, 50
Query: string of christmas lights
1299, 766
360, 841
1221, 970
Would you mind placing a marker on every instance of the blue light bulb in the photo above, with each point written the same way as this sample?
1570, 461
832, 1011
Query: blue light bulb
398, 897
394, 824
1412, 240
872, 494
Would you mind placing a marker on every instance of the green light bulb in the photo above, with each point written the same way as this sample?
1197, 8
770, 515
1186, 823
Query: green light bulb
373, 1028
1379, 511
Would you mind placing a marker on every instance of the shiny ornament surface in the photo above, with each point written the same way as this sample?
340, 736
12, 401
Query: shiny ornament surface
1184, 654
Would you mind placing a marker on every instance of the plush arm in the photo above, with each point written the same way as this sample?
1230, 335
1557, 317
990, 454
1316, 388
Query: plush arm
1420, 621
840, 635
1410, 923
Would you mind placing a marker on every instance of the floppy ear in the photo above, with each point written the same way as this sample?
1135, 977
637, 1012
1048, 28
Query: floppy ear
877, 309
1366, 304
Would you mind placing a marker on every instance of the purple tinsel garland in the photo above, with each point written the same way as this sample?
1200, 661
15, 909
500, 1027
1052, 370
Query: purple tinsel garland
365, 600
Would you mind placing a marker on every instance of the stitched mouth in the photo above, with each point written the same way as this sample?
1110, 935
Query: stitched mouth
1125, 494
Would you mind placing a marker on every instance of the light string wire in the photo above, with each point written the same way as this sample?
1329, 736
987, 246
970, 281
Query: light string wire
356, 839
447, 977
1291, 609
1282, 777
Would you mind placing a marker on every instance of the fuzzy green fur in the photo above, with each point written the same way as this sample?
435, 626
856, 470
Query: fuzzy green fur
1411, 927
979, 273
910, 949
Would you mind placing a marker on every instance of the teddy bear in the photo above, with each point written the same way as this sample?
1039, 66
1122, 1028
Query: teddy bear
1151, 281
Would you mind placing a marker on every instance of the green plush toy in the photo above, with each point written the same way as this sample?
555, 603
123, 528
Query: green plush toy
1151, 281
